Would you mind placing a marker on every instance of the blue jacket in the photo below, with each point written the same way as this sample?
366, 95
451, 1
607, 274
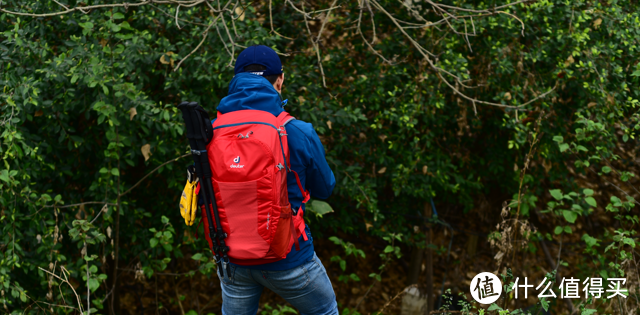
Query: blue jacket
250, 91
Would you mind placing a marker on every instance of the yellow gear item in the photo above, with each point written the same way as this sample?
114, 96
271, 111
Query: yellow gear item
189, 201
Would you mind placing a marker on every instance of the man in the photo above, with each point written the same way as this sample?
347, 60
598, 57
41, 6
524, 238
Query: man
300, 278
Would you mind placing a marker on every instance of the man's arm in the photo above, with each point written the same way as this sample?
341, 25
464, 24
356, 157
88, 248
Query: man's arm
320, 180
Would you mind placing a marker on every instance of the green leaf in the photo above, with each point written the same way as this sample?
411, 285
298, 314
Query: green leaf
320, 207
558, 139
557, 230
104, 170
556, 193
636, 73
93, 284
588, 192
4, 175
196, 256
388, 249
591, 201
343, 265
153, 242
115, 172
494, 307
118, 16
105, 90
165, 220
563, 147
567, 229
545, 304
591, 241
588, 312
629, 241
606, 169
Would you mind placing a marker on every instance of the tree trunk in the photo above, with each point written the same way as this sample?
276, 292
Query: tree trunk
415, 266
428, 213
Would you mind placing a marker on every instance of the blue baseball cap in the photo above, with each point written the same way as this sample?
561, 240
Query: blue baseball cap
259, 55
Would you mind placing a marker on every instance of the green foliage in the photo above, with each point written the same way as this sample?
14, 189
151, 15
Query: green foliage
281, 310
87, 110
349, 250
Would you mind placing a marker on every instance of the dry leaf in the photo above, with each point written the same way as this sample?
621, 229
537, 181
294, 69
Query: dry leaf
240, 11
146, 151
382, 170
569, 61
424, 170
38, 113
329, 123
132, 113
597, 23
592, 104
301, 99
362, 135
164, 61
507, 96
382, 137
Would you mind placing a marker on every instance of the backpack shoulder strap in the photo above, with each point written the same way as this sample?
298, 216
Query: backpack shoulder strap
284, 118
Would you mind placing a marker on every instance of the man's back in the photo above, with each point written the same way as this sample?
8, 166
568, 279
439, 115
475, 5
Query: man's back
300, 278
306, 153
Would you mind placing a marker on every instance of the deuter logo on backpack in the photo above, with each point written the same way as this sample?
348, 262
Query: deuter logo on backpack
237, 161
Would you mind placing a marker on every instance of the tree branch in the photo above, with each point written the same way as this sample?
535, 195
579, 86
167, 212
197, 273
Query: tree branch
155, 169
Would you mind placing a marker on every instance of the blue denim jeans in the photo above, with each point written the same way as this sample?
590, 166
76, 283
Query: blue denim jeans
307, 287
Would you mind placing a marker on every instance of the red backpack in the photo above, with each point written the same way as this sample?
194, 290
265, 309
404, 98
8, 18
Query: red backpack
249, 159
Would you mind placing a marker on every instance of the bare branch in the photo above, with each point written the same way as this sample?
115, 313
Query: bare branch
315, 47
271, 23
369, 45
279, 53
65, 280
171, 16
62, 5
81, 9
80, 204
177, 11
439, 71
515, 17
305, 14
325, 21
155, 169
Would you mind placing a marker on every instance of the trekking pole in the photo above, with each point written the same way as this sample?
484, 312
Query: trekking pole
199, 133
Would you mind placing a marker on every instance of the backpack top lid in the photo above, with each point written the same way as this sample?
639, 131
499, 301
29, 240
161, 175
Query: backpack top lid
250, 91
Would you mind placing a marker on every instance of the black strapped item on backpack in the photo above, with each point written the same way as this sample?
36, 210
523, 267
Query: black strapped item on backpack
199, 133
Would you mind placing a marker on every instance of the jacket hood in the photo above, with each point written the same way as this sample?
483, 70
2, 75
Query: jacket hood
250, 91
